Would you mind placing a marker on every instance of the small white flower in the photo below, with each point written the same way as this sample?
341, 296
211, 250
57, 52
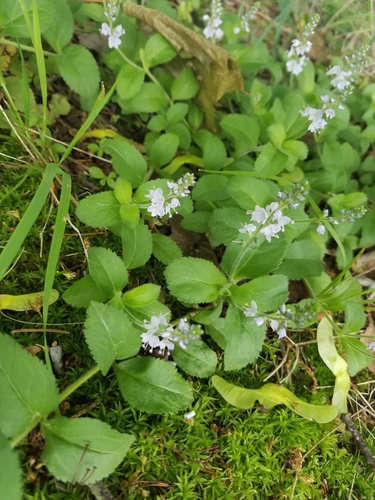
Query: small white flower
271, 231
316, 117
252, 310
247, 228
259, 321
113, 35
321, 229
189, 415
371, 346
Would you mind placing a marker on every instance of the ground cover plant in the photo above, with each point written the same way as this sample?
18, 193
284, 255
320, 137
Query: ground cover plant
204, 188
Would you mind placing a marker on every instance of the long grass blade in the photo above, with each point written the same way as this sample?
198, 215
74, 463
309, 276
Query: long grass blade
16, 240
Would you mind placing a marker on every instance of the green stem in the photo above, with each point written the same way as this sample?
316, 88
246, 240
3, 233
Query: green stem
24, 433
73, 387
5, 41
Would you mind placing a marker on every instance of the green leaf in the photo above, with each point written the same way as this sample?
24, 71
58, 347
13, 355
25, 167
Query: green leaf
107, 270
177, 112
158, 51
137, 245
152, 385
296, 148
355, 317
211, 187
10, 472
243, 339
165, 249
214, 154
60, 32
269, 292
110, 335
157, 123
277, 134
79, 70
225, 224
142, 295
123, 190
150, 99
183, 134
127, 161
83, 291
254, 263
248, 192
12, 19
197, 222
185, 86
99, 210
163, 149
243, 130
337, 365
302, 260
130, 81
193, 280
28, 389
83, 450
270, 395
130, 214
197, 359
26, 302
357, 354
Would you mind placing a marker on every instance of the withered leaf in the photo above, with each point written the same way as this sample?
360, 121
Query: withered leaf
217, 72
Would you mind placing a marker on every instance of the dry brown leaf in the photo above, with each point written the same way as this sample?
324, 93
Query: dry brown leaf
365, 265
33, 349
217, 72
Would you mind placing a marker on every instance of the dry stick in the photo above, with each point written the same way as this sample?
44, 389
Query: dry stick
358, 439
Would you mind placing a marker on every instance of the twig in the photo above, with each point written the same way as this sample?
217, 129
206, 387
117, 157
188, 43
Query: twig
358, 439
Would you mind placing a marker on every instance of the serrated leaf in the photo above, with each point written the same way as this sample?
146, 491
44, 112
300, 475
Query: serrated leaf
211, 187
243, 129
197, 359
99, 210
142, 295
302, 260
127, 160
296, 148
60, 31
28, 389
225, 224
153, 385
130, 81
269, 292
193, 280
158, 51
276, 133
243, 339
110, 335
123, 190
185, 86
357, 354
83, 291
177, 112
165, 249
130, 214
214, 154
254, 263
79, 70
270, 395
137, 245
355, 317
163, 149
83, 450
248, 192
149, 99
10, 472
107, 270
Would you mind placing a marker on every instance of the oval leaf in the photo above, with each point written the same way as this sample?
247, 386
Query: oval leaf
152, 385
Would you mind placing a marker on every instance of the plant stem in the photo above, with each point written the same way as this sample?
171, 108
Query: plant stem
5, 41
83, 379
24, 433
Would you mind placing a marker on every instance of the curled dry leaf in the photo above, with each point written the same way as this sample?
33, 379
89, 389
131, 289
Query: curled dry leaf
217, 72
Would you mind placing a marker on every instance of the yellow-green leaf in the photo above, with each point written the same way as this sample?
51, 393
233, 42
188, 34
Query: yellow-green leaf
26, 302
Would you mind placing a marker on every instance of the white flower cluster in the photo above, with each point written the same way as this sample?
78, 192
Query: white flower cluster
277, 325
270, 221
164, 204
371, 347
345, 215
342, 83
113, 33
214, 21
161, 335
246, 18
299, 48
318, 117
